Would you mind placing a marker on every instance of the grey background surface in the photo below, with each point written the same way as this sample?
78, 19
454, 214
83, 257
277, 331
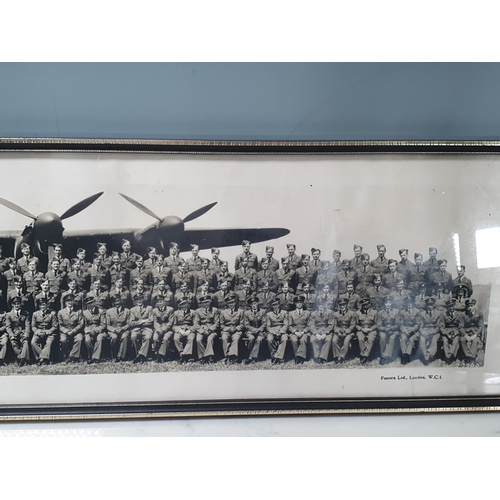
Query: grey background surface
256, 101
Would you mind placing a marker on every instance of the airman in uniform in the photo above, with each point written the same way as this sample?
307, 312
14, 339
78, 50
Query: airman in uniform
306, 273
117, 271
376, 293
421, 297
32, 278
194, 262
64, 263
127, 257
254, 327
97, 270
440, 297
286, 298
357, 259
55, 277
366, 328
309, 296
118, 327
94, 320
451, 330
472, 335
231, 326
273, 264
328, 298
184, 334
252, 259
215, 262
286, 275
99, 294
364, 275
320, 326
163, 291
266, 297
18, 327
430, 322
70, 330
399, 295
183, 275
163, 318
388, 331
173, 261
462, 280
23, 262
26, 300
381, 263
352, 298
392, 277
183, 294
140, 272
345, 276
326, 277
77, 293
405, 265
102, 250
159, 272
206, 327
336, 264
298, 329
50, 298
343, 326
276, 332
81, 255
409, 330
11, 273
245, 272
461, 298
81, 277
442, 276
294, 261
151, 259
119, 288
205, 274
431, 265
203, 290
224, 275
141, 328
315, 261
221, 296
45, 328
140, 289
266, 275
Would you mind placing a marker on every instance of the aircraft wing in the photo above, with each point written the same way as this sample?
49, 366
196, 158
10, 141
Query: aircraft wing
88, 239
208, 238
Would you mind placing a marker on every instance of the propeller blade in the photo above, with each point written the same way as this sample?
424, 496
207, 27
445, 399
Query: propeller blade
81, 205
199, 212
140, 207
16, 208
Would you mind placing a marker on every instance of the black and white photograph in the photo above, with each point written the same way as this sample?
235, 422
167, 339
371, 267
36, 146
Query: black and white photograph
338, 269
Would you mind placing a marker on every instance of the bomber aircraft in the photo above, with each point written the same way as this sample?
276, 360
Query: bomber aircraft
47, 229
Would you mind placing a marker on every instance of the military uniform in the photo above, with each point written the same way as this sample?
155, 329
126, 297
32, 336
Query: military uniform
167, 296
123, 293
116, 272
472, 334
266, 300
253, 261
64, 264
289, 276
94, 320
23, 263
224, 276
194, 264
242, 274
220, 299
388, 332
180, 296
254, 326
366, 331
408, 328
462, 281
376, 295
274, 264
329, 279
141, 329
381, 265
9, 277
352, 300
390, 280
441, 277
269, 277
26, 300
4, 337
345, 277
118, 326
329, 299
298, 328
172, 262
179, 278
32, 281
100, 273
52, 299
294, 261
205, 275
430, 323
19, 329
56, 280
398, 297
343, 325
71, 333
450, 333
231, 325
44, 326
184, 335
145, 294
277, 337
101, 298
128, 259
159, 273
79, 298
162, 326
82, 279
141, 273
364, 278
206, 327
320, 326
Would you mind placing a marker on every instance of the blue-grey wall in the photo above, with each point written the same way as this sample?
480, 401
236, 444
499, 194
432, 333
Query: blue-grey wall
251, 101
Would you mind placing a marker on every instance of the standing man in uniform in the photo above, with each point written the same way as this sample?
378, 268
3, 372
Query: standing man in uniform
381, 264
376, 293
127, 257
391, 278
266, 275
405, 265
215, 263
364, 275
273, 264
23, 262
194, 262
173, 261
286, 275
357, 259
294, 261
346, 275
243, 273
442, 276
252, 259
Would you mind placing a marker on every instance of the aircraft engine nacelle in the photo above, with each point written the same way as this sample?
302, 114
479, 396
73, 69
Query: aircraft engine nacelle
161, 233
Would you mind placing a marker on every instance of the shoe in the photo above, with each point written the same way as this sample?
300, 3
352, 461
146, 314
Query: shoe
363, 360
249, 361
160, 358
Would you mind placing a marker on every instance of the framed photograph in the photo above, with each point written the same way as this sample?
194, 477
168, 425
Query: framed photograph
193, 278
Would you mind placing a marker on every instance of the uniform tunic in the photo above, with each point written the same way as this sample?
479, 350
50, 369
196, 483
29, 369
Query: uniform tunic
206, 327
71, 332
141, 326
19, 329
94, 320
44, 326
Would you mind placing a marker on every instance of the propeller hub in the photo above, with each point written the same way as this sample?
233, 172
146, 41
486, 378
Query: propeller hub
172, 223
48, 227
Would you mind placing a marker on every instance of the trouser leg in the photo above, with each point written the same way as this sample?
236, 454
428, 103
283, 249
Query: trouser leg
90, 342
272, 344
15, 342
97, 349
165, 344
390, 344
47, 349
344, 346
302, 346
280, 351
37, 343
114, 343
226, 340
147, 336
294, 340
200, 345
65, 344
76, 351
124, 341
4, 343
234, 346
179, 341
325, 348
255, 350
382, 338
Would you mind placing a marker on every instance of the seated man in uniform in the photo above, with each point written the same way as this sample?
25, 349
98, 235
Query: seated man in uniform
254, 326
298, 328
118, 326
430, 322
18, 327
472, 335
366, 328
286, 298
343, 325
388, 331
276, 330
94, 320
206, 327
320, 326
163, 318
231, 327
45, 329
141, 326
71, 326
183, 328
451, 330
408, 328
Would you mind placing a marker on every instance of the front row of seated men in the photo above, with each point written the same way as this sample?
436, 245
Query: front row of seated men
159, 332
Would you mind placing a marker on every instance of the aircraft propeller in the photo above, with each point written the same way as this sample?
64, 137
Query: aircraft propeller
46, 228
170, 224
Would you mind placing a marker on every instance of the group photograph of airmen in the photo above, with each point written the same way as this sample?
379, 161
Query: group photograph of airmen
123, 311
